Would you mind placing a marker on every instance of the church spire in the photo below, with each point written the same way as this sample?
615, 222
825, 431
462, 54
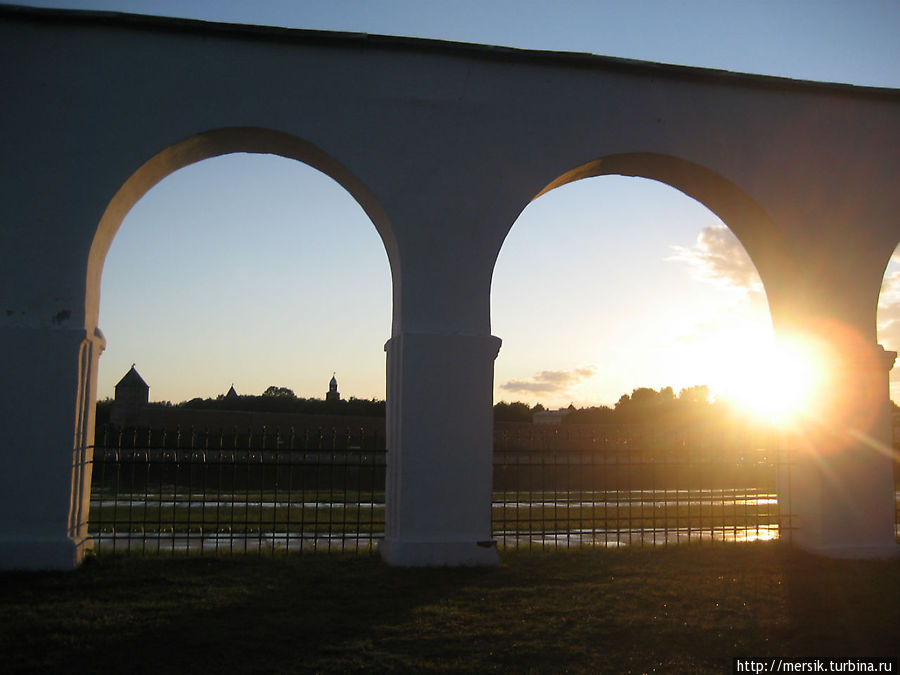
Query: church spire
333, 394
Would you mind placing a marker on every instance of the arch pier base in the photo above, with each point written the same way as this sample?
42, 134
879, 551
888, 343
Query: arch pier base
837, 493
440, 450
46, 479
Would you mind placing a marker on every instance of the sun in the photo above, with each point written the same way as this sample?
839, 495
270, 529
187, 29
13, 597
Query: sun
780, 382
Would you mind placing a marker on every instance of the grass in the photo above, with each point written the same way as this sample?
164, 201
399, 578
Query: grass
686, 609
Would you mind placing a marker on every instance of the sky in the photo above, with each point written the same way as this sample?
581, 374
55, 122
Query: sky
223, 274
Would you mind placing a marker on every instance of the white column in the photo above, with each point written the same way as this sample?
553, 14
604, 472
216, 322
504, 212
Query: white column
839, 488
48, 391
83, 459
440, 449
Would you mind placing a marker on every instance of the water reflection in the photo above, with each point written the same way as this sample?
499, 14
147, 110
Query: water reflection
637, 536
520, 519
165, 542
232, 542
514, 500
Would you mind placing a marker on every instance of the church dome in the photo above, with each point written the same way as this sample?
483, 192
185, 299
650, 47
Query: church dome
333, 394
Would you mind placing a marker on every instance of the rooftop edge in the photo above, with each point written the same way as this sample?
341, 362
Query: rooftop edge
310, 36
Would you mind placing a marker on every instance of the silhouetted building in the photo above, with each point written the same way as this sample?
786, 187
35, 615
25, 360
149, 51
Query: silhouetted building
131, 409
132, 390
550, 417
333, 394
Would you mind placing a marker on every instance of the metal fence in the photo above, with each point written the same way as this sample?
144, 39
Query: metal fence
563, 499
155, 491
613, 485
158, 491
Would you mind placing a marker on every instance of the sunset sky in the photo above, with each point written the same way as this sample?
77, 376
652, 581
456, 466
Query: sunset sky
255, 270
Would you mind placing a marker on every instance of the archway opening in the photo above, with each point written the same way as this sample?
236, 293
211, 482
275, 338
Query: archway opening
243, 286
889, 324
645, 286
245, 270
639, 354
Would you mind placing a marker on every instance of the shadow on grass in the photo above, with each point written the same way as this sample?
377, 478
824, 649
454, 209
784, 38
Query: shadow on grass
681, 610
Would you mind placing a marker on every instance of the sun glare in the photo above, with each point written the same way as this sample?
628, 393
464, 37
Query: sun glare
780, 383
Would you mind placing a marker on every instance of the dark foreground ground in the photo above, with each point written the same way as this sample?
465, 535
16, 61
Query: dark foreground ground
674, 610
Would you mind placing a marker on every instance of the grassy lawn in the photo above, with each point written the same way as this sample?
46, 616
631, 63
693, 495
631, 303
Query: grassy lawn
686, 609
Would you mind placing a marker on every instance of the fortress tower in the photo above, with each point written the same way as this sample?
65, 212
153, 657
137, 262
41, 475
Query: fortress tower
132, 390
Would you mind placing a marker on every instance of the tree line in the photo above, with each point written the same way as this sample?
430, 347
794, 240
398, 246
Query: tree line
642, 405
274, 400
692, 404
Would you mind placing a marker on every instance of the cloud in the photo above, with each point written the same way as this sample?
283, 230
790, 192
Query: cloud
718, 257
551, 381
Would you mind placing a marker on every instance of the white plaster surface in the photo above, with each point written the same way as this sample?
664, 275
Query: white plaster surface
443, 146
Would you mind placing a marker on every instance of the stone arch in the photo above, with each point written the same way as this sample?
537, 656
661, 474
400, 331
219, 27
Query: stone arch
761, 239
746, 219
760, 236
847, 447
215, 143
888, 315
188, 151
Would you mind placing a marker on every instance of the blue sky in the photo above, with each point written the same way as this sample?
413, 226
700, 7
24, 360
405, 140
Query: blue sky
279, 299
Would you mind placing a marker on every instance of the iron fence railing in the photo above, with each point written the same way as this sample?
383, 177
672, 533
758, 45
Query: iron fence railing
565, 499
638, 484
229, 492
263, 491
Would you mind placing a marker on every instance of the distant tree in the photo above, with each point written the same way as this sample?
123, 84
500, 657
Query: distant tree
698, 394
645, 405
593, 415
512, 412
281, 392
363, 407
102, 411
283, 400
